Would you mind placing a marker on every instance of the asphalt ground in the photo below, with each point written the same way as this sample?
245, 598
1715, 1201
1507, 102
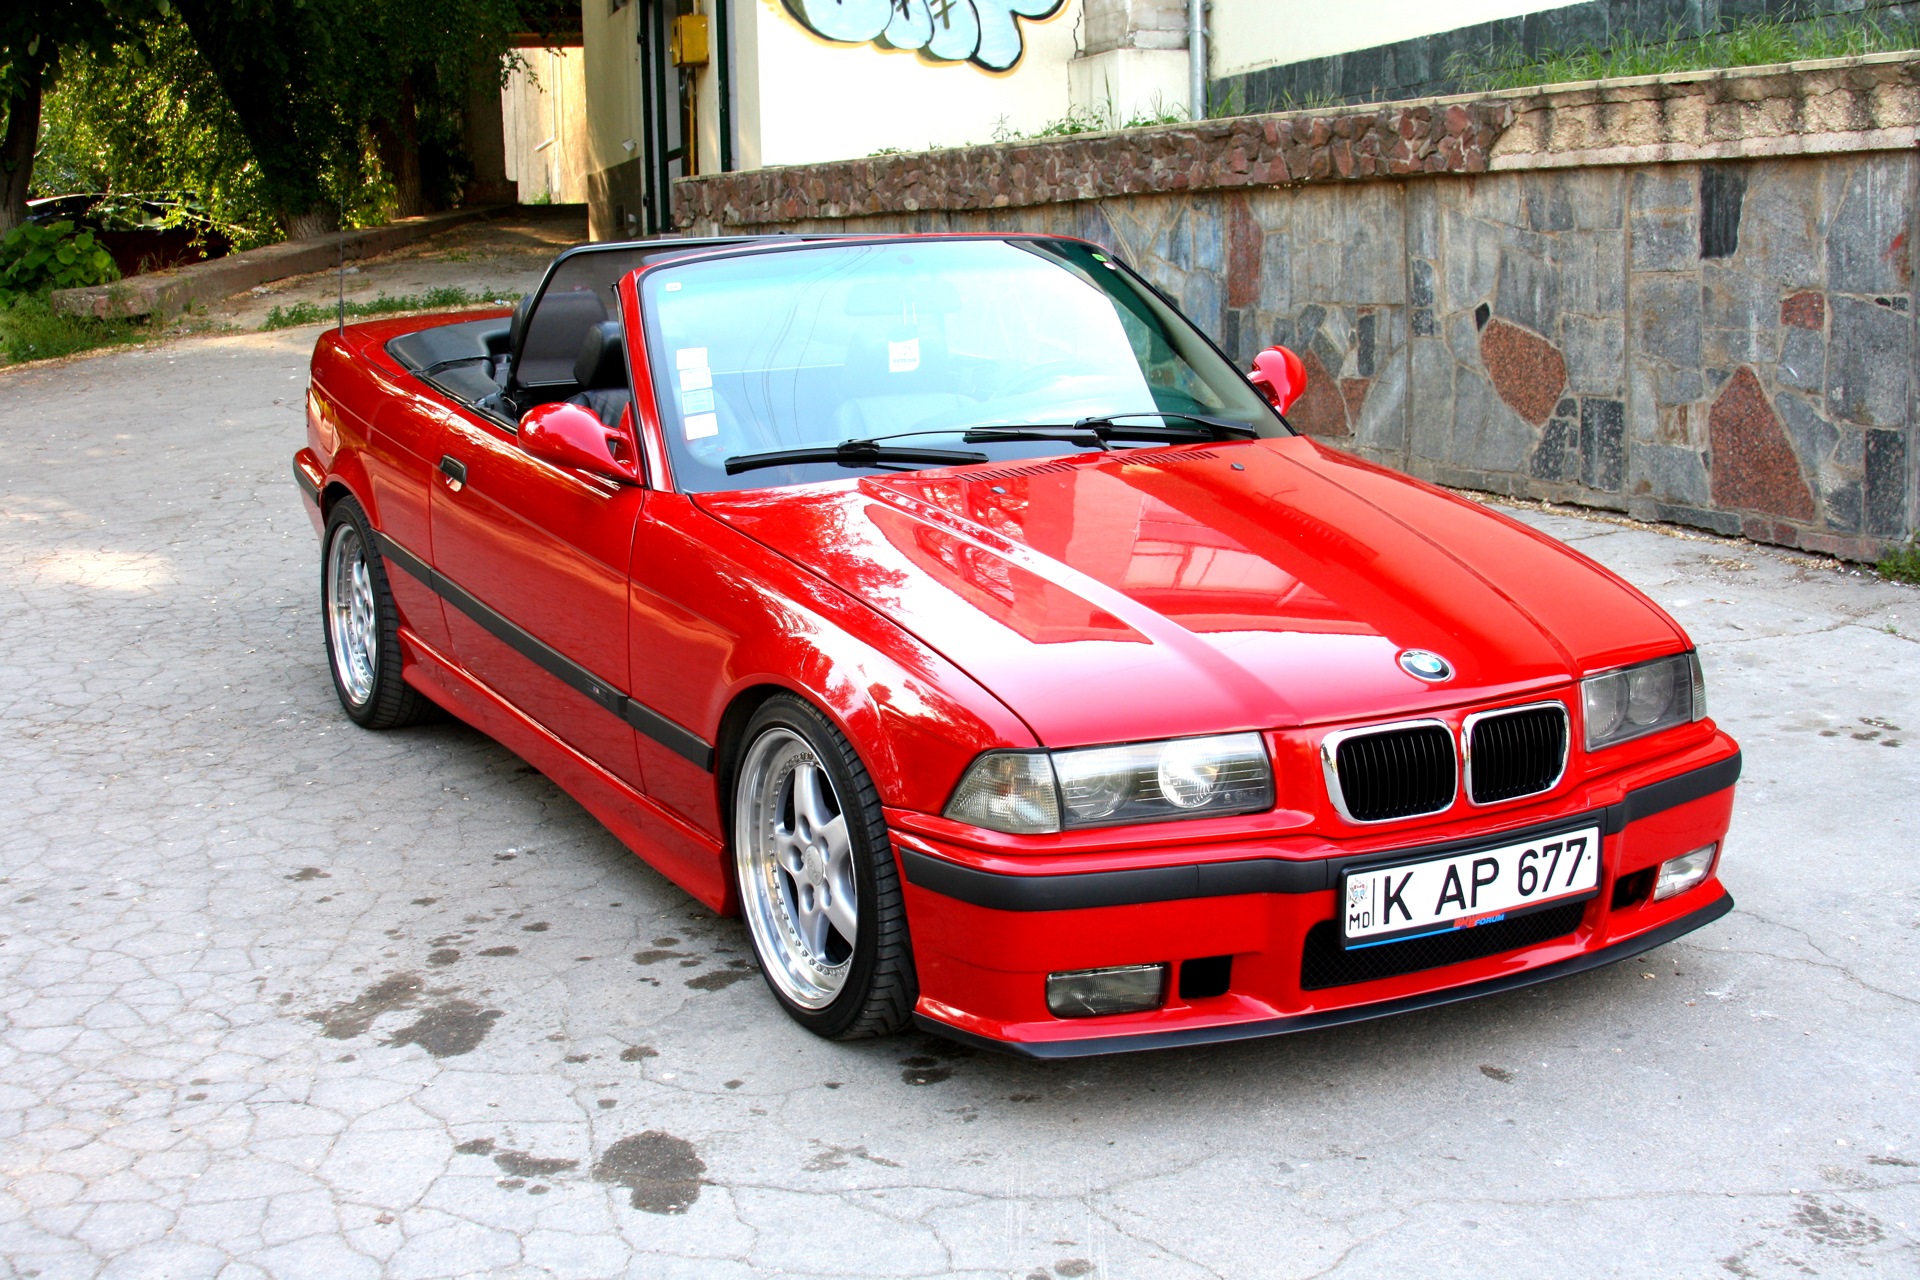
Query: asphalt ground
280, 997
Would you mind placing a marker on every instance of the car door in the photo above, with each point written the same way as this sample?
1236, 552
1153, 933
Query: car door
532, 560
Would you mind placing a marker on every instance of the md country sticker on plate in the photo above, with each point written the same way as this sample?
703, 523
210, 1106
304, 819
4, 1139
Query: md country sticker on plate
1464, 890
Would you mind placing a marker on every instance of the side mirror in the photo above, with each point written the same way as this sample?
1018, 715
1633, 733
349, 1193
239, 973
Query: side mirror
571, 435
1280, 376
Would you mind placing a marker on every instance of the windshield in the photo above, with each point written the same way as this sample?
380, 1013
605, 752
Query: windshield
811, 347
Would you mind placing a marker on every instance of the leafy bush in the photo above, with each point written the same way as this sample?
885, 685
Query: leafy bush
35, 258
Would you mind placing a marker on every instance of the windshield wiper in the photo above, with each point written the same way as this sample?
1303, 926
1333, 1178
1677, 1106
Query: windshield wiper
1103, 427
1016, 431
1115, 422
854, 453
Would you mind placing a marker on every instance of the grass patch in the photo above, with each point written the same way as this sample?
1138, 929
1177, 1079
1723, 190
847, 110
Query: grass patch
1761, 42
445, 298
1090, 120
1902, 564
30, 329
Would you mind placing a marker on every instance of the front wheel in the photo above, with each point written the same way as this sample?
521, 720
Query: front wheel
362, 626
816, 875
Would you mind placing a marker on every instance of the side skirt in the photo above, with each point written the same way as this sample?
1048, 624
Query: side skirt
685, 855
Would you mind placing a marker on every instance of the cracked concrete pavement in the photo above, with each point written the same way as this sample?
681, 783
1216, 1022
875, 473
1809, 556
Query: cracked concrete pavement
279, 997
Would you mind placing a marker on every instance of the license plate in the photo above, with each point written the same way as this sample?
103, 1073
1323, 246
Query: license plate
1462, 890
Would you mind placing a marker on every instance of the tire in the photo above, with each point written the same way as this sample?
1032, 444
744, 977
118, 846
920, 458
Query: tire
361, 626
807, 834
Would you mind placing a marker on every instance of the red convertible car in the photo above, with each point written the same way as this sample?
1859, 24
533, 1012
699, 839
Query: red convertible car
953, 609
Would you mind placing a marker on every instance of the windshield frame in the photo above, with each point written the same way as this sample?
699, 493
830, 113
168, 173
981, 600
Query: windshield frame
656, 356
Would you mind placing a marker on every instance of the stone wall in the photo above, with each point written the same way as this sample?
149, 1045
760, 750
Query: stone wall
1685, 297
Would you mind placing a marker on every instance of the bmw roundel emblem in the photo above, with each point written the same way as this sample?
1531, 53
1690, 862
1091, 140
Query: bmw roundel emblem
1425, 666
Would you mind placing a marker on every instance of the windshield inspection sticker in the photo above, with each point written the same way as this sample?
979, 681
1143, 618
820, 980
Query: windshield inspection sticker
701, 425
696, 402
696, 379
690, 358
903, 357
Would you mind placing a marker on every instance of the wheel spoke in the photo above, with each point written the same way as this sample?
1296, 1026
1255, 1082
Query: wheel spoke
834, 836
812, 923
843, 912
809, 799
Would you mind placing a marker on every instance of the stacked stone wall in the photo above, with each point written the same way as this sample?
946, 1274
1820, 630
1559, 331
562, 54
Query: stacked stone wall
1724, 336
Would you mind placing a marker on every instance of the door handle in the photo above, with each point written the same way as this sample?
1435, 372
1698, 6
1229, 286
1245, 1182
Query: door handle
454, 470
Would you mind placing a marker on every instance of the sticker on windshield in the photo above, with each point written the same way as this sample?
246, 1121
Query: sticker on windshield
690, 358
696, 379
696, 402
701, 425
903, 357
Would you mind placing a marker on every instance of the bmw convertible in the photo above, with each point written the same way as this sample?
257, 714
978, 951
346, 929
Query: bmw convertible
953, 610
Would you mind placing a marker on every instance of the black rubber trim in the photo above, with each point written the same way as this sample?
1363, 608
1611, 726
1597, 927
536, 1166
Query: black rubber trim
1673, 792
305, 481
680, 741
1079, 890
1196, 1036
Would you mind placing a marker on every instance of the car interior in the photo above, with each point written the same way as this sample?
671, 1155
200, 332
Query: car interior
562, 341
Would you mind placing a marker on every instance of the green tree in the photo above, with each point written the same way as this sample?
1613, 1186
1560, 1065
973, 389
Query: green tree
284, 67
310, 81
35, 35
151, 120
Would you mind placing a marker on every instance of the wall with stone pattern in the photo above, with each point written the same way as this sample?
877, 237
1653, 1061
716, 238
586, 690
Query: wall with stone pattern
1724, 337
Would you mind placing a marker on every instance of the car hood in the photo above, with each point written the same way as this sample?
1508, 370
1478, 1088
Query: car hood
1244, 585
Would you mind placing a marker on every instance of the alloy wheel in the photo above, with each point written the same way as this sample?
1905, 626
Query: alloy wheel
796, 865
352, 622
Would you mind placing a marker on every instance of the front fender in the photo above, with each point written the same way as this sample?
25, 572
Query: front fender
743, 622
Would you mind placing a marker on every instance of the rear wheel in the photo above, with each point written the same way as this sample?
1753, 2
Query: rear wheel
362, 626
817, 878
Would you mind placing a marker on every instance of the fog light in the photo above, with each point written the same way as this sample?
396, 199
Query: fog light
1087, 993
1681, 874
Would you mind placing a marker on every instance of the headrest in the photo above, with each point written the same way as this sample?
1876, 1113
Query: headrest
602, 362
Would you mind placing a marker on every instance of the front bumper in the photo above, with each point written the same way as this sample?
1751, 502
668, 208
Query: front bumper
986, 936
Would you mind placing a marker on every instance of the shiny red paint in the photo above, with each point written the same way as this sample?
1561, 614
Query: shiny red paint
1280, 375
1259, 585
574, 439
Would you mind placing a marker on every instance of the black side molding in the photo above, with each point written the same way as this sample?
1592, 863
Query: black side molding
1110, 888
1270, 875
681, 741
1190, 1038
1671, 793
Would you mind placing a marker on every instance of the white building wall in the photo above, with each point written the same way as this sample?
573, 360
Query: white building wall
815, 99
612, 61
1250, 34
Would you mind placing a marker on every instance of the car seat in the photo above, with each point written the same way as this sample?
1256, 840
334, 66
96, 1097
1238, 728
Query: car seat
600, 369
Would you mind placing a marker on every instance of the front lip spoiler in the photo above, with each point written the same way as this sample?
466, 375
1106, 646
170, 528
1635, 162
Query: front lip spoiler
1230, 1032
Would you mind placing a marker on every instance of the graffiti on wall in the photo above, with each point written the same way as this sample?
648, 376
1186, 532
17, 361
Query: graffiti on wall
983, 32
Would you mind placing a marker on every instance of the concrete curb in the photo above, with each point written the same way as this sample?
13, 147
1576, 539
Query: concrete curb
166, 293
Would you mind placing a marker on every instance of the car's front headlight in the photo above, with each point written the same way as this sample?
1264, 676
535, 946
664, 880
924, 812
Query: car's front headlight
1644, 698
1033, 792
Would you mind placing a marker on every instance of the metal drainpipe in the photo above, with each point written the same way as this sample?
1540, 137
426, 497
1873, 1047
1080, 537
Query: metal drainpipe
1197, 58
